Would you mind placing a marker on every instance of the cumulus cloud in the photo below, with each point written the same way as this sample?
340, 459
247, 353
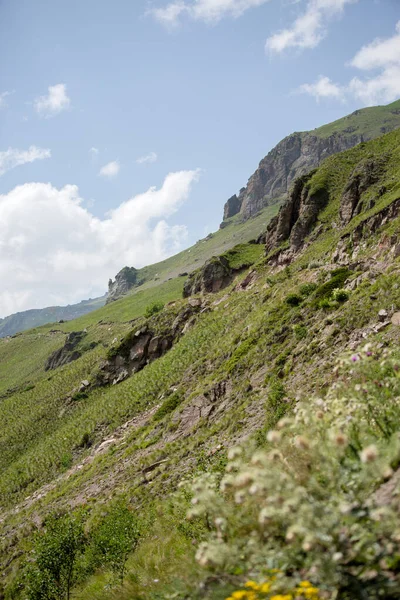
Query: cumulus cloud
309, 28
209, 11
110, 170
11, 158
55, 251
55, 102
322, 88
382, 59
147, 158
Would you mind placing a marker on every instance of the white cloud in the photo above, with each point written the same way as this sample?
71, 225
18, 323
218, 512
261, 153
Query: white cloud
93, 151
110, 170
55, 102
3, 101
382, 58
11, 158
147, 158
309, 28
209, 11
55, 251
322, 88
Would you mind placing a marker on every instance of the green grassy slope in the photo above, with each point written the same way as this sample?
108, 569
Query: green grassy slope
153, 276
246, 360
370, 122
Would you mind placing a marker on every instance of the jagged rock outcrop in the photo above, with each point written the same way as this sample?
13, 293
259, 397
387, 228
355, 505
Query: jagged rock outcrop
67, 353
364, 175
232, 207
349, 244
141, 347
126, 279
293, 157
213, 276
297, 216
300, 152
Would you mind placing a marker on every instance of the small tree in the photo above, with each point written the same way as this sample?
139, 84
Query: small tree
57, 549
115, 538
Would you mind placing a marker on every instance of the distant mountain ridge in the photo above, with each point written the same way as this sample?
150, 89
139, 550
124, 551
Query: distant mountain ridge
300, 152
35, 317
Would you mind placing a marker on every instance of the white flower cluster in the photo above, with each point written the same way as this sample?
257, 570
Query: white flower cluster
305, 500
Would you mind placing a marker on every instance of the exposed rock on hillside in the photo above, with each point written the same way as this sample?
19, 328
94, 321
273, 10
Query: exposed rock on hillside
125, 280
365, 175
232, 207
141, 347
301, 152
212, 277
298, 215
67, 353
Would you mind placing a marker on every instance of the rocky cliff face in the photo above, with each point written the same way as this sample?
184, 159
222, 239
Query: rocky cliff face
299, 214
299, 153
125, 280
293, 157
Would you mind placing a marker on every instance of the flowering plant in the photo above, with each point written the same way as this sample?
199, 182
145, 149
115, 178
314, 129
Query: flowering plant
313, 503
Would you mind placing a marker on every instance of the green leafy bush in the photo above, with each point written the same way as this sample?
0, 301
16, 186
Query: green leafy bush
57, 550
307, 288
293, 299
115, 538
339, 295
153, 309
300, 331
337, 281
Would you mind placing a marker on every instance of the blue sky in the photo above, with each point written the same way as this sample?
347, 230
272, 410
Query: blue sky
101, 101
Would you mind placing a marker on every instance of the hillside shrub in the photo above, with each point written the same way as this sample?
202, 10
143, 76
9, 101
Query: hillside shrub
300, 331
337, 281
339, 295
309, 505
114, 539
153, 309
293, 299
56, 552
307, 288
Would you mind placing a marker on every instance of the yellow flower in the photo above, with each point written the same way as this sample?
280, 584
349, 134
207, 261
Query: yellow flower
252, 585
305, 584
282, 597
265, 588
239, 595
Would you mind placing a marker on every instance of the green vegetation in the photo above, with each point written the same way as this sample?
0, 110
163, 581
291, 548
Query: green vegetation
153, 309
56, 553
366, 122
114, 539
308, 494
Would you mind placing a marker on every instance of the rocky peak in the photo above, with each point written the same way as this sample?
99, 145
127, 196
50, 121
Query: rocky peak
299, 153
126, 279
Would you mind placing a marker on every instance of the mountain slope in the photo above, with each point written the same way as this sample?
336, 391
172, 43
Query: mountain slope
150, 276
206, 373
300, 152
28, 319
